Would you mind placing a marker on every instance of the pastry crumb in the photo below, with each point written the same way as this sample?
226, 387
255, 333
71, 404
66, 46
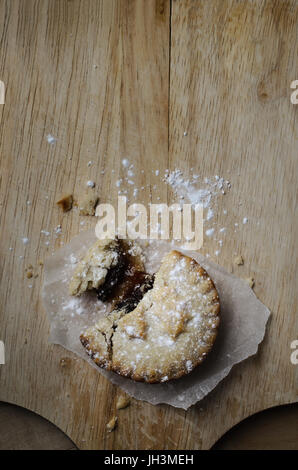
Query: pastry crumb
122, 402
112, 424
64, 362
87, 203
29, 274
239, 260
250, 281
65, 202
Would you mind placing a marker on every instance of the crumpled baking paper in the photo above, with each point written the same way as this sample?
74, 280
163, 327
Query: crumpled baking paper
242, 328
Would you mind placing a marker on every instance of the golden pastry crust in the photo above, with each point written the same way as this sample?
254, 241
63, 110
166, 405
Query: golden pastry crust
168, 334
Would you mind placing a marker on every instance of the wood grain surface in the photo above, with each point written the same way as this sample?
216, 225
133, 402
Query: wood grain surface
125, 79
271, 429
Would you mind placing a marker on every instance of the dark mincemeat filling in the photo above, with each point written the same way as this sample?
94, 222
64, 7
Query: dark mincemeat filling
125, 285
113, 277
140, 283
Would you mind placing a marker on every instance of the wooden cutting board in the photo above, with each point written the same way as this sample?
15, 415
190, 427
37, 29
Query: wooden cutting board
125, 79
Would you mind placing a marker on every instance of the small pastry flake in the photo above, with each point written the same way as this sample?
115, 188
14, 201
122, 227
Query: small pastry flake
65, 203
91, 272
87, 203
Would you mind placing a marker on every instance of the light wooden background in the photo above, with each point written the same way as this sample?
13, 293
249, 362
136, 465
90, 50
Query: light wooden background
124, 79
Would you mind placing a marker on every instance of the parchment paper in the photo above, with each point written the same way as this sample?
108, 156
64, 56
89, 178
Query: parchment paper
243, 322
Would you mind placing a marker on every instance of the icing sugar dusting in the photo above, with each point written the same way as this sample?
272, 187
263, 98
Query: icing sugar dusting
200, 190
196, 189
51, 139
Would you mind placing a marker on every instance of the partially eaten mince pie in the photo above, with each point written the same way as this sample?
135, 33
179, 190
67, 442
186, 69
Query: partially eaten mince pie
161, 327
